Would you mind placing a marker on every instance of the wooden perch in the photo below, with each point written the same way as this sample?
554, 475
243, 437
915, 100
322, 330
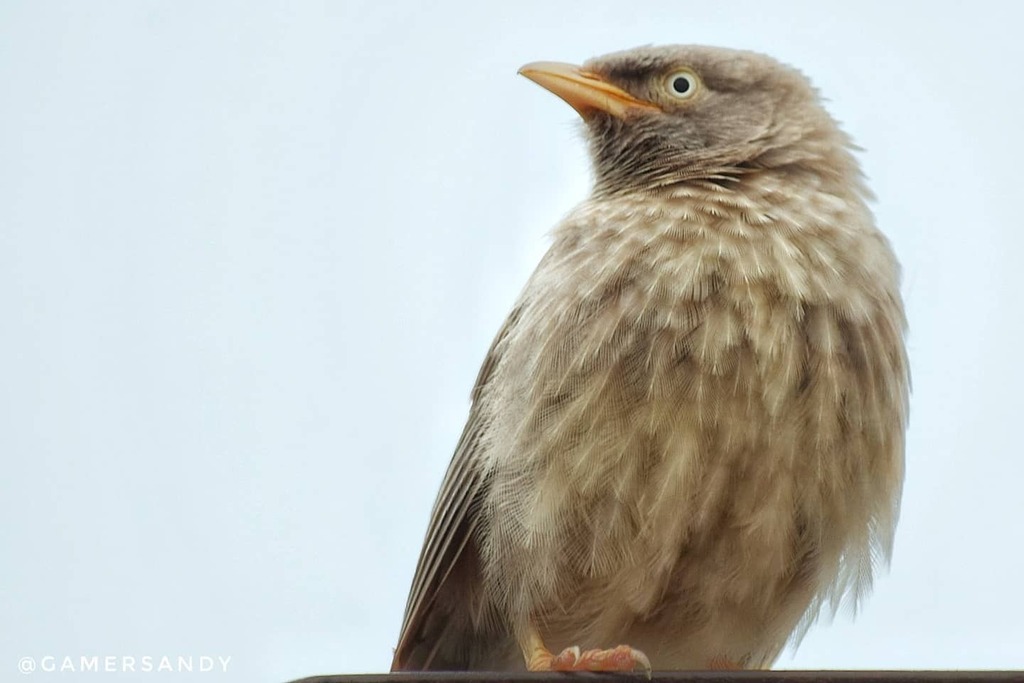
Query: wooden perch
689, 677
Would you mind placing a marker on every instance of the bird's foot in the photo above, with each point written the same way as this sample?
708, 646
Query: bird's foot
621, 658
722, 663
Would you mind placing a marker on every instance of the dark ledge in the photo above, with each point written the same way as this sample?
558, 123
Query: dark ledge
689, 677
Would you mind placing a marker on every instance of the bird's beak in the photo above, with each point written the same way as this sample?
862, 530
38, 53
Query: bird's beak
584, 91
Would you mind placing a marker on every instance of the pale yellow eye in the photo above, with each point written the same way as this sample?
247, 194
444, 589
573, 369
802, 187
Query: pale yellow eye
682, 84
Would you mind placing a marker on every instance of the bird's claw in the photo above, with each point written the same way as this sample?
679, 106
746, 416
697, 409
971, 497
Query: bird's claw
621, 658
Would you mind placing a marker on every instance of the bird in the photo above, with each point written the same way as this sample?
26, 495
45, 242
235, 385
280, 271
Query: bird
686, 442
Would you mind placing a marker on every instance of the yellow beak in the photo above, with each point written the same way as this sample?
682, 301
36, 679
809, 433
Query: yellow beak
584, 91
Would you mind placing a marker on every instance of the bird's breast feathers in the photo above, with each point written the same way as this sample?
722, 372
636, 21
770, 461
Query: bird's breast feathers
714, 370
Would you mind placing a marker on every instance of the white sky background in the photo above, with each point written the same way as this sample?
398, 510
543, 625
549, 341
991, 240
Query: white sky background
252, 254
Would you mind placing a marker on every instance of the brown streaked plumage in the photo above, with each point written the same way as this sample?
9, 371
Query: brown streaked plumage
688, 435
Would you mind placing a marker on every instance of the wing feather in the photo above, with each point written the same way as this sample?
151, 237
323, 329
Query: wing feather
453, 520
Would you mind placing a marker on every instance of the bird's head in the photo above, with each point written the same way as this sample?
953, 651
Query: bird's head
657, 116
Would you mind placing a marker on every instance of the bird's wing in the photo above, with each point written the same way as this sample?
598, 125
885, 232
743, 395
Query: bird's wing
452, 523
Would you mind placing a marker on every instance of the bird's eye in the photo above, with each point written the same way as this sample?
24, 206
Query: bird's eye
682, 84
